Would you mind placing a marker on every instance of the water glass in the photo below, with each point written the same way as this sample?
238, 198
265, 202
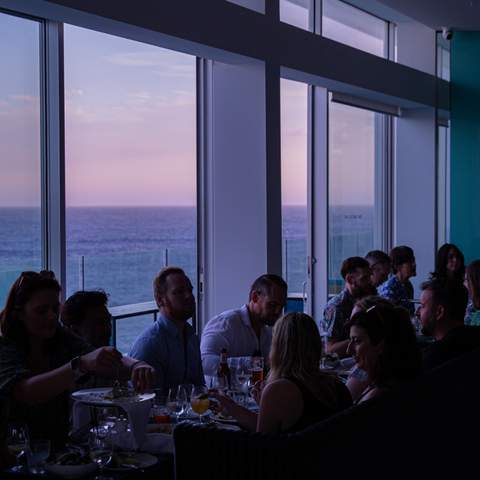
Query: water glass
37, 454
101, 450
175, 399
17, 442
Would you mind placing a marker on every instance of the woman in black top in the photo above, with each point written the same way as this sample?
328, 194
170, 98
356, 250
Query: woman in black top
449, 263
41, 362
297, 393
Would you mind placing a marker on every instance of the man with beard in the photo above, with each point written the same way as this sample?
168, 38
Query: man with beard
441, 312
357, 275
170, 344
246, 330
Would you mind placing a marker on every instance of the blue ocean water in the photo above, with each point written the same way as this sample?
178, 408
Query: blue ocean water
119, 249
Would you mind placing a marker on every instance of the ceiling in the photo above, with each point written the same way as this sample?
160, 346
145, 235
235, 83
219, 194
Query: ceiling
455, 14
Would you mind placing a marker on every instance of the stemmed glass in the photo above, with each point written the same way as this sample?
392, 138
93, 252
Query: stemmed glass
17, 441
37, 453
101, 450
175, 400
243, 377
199, 401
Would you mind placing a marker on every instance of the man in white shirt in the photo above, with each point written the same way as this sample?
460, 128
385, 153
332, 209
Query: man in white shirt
247, 329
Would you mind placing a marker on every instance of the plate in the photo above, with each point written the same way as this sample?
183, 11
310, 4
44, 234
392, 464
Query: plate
96, 397
71, 471
137, 460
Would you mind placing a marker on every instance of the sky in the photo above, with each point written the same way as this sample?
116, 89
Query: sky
130, 126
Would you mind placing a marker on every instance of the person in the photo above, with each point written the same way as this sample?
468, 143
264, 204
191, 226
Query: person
357, 380
398, 288
41, 361
247, 329
87, 315
380, 265
296, 393
441, 313
383, 344
449, 263
170, 343
472, 283
357, 275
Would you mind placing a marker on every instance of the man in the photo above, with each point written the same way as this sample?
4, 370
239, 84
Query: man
170, 345
247, 329
380, 265
398, 288
87, 315
357, 275
441, 312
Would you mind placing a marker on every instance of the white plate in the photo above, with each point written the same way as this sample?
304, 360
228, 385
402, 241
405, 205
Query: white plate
71, 471
96, 397
140, 460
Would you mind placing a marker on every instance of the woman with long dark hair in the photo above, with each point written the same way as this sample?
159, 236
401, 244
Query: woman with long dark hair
41, 361
296, 393
383, 344
449, 263
472, 283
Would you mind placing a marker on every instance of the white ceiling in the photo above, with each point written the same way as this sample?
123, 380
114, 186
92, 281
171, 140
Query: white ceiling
455, 14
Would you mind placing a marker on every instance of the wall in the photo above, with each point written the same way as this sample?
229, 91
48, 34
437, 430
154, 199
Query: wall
465, 143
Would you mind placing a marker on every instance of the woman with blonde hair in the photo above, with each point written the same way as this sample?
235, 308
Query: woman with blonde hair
297, 393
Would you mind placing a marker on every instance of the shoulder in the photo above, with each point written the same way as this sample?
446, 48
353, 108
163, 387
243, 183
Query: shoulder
225, 320
281, 391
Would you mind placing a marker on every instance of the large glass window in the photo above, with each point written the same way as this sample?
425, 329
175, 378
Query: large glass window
355, 221
20, 147
130, 138
295, 12
294, 108
354, 27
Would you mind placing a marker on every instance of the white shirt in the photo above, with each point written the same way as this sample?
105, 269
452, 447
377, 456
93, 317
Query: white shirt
232, 330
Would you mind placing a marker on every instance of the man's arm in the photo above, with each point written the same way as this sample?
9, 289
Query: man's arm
150, 351
214, 338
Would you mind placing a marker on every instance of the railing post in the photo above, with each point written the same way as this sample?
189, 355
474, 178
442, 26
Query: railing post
114, 332
165, 259
82, 273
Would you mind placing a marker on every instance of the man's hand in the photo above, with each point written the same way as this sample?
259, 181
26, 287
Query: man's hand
142, 376
104, 360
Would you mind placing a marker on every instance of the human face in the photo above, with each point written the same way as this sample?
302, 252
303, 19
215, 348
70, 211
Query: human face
407, 270
96, 326
178, 303
380, 272
267, 307
360, 283
453, 261
362, 350
427, 313
40, 314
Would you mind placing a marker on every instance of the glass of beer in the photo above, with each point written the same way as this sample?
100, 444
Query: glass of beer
199, 401
257, 370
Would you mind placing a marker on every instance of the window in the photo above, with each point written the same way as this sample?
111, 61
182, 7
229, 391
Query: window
130, 136
295, 12
355, 217
294, 108
349, 25
20, 149
443, 58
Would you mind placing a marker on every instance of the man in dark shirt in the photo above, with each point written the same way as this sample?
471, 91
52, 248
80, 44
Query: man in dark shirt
357, 275
441, 313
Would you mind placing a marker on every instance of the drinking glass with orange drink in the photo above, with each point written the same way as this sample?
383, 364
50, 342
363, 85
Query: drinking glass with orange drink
199, 401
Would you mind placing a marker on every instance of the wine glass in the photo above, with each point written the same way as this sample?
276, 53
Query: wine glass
182, 400
199, 401
101, 450
17, 441
174, 404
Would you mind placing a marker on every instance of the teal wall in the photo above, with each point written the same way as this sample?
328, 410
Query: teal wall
465, 143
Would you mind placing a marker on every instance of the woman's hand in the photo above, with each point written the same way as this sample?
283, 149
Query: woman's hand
142, 376
104, 360
257, 390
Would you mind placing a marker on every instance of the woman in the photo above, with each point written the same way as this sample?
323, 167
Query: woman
449, 263
398, 288
383, 344
41, 361
472, 283
297, 393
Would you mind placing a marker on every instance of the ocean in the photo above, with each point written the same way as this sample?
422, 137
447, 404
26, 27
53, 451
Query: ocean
120, 249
